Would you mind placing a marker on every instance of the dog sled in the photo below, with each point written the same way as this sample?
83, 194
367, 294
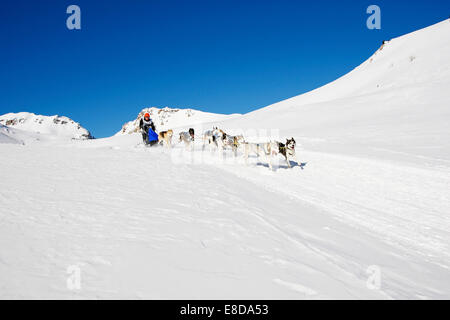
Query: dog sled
152, 138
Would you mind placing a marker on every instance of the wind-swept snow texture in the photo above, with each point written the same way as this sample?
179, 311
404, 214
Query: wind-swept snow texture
365, 215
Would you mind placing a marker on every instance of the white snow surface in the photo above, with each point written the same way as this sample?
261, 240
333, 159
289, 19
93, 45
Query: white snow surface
23, 137
49, 127
6, 135
370, 193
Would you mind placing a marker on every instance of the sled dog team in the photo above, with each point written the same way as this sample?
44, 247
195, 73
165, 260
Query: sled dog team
218, 139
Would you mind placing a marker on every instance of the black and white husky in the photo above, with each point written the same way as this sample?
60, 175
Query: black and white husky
188, 138
231, 141
271, 149
213, 137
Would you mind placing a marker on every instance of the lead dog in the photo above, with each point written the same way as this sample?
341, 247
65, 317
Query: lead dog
288, 151
271, 150
166, 138
188, 138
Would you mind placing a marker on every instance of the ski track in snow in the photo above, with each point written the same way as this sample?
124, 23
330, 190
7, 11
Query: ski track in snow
145, 223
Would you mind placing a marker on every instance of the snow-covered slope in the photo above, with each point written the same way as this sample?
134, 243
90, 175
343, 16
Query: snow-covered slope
169, 118
147, 223
52, 126
395, 103
6, 136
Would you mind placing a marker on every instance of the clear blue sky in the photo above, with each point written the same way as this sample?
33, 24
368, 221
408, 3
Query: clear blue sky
223, 56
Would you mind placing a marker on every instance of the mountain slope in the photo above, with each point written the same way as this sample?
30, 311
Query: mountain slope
169, 118
396, 102
47, 126
6, 136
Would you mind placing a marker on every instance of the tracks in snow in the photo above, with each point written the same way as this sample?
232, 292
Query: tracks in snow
403, 209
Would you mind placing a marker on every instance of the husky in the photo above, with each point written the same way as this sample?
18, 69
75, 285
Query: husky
260, 149
288, 151
188, 138
165, 137
212, 137
271, 149
231, 141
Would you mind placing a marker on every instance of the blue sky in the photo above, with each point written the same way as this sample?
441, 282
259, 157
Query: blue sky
223, 56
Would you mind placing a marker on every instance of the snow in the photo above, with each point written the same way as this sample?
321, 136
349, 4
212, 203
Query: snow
5, 136
173, 118
370, 193
389, 107
49, 126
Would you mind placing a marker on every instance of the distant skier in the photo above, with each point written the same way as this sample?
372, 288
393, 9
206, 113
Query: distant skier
148, 130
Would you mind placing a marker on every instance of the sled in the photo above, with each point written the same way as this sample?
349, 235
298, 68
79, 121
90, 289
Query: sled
152, 137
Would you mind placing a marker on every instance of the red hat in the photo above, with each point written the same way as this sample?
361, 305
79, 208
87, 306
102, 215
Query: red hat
147, 115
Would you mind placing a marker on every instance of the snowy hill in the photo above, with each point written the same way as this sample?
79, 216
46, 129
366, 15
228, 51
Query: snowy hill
397, 102
6, 135
46, 126
169, 118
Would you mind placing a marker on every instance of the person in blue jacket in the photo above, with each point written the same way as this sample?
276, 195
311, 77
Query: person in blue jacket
147, 127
